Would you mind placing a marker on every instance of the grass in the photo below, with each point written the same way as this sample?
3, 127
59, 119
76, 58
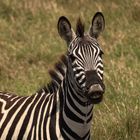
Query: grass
30, 45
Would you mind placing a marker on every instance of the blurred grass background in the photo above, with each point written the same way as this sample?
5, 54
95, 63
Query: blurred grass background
30, 45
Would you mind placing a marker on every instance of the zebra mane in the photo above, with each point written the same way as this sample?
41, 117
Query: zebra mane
80, 28
57, 75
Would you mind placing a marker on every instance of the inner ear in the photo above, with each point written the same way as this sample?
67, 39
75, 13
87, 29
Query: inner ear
64, 29
98, 25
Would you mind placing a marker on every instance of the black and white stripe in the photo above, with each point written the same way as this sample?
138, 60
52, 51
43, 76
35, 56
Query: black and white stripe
63, 109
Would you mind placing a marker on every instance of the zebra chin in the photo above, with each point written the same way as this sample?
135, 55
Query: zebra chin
95, 93
92, 100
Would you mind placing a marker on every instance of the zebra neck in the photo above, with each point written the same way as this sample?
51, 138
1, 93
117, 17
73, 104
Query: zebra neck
57, 75
76, 113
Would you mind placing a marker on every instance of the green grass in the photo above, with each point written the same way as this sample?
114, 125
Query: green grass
30, 45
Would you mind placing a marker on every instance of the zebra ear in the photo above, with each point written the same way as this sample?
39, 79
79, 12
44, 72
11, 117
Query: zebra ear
64, 29
98, 25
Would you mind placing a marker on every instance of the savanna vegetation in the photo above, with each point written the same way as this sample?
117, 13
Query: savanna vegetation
30, 45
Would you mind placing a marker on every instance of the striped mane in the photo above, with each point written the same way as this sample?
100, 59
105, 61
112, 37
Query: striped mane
56, 75
80, 28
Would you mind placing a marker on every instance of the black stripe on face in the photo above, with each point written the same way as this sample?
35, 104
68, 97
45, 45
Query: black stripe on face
87, 66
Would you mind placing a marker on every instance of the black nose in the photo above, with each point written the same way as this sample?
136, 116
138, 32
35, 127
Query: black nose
92, 78
95, 86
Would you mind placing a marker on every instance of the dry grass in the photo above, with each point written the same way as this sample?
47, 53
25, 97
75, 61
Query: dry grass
29, 46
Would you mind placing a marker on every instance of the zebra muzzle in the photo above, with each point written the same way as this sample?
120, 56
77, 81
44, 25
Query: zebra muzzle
95, 93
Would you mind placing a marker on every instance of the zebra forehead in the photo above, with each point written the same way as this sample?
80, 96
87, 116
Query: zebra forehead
84, 43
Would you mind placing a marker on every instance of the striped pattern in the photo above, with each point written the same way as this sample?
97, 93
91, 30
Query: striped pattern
59, 111
27, 117
37, 117
90, 50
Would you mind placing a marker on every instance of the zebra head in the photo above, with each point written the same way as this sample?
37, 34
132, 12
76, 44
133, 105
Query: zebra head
85, 56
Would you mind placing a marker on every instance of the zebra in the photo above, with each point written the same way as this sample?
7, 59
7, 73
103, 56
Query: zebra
62, 110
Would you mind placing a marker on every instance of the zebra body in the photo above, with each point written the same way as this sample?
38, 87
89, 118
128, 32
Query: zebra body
27, 116
63, 110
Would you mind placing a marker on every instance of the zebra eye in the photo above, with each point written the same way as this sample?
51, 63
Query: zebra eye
101, 53
72, 57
